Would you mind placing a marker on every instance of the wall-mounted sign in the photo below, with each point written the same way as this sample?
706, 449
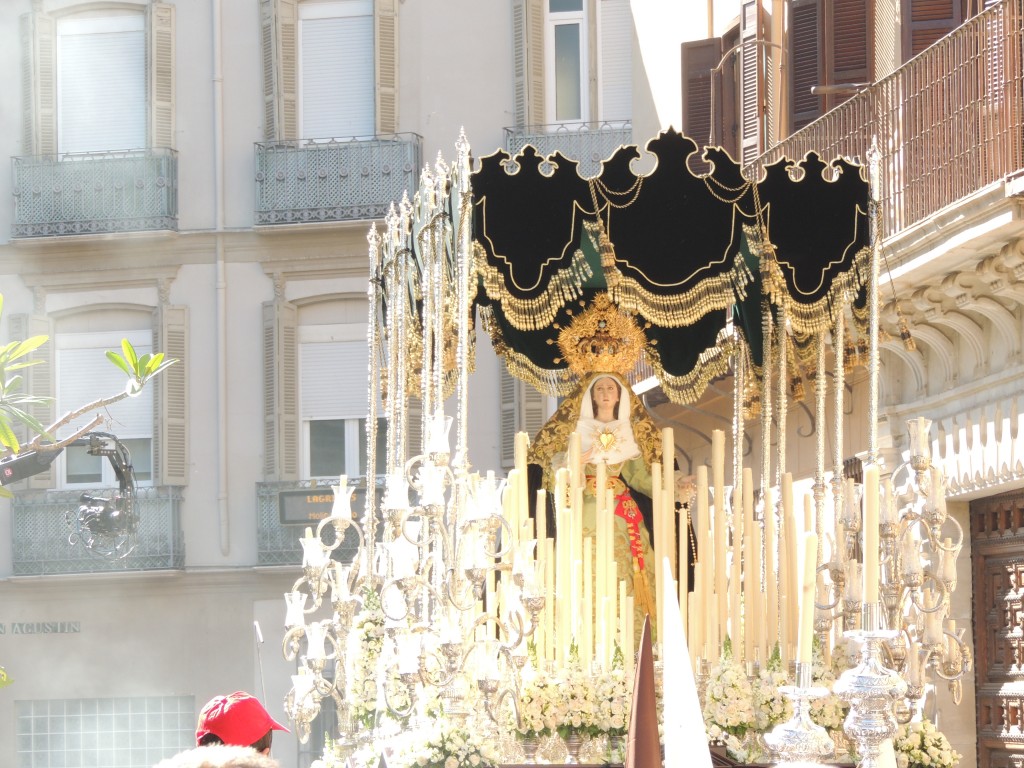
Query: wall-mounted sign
41, 628
311, 505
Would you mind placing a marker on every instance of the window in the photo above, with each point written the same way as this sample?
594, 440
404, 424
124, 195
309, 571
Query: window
101, 83
84, 375
566, 55
98, 81
333, 392
336, 97
329, 68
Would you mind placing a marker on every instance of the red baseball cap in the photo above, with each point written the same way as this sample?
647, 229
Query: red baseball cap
237, 719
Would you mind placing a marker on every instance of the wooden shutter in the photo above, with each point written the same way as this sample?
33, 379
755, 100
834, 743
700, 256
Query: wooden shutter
170, 405
752, 81
38, 380
885, 26
280, 379
806, 68
522, 410
702, 91
278, 31
848, 47
39, 84
528, 61
386, 63
926, 21
160, 66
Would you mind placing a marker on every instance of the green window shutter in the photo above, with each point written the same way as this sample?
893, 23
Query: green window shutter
160, 45
170, 401
386, 65
280, 380
278, 31
38, 380
39, 84
522, 410
528, 61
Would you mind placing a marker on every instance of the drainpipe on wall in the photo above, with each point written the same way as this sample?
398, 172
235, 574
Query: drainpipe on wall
221, 287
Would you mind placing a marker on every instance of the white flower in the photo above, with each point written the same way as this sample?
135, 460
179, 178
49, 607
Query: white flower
921, 745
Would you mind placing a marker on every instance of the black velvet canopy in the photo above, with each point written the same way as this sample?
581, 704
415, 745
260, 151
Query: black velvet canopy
679, 250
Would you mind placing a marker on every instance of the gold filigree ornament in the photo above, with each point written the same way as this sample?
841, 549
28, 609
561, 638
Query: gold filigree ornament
601, 338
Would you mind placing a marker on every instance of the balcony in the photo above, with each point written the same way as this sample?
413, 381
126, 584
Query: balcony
95, 193
587, 143
326, 180
40, 534
948, 123
277, 542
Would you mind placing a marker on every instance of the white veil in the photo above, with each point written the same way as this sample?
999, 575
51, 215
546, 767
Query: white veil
610, 441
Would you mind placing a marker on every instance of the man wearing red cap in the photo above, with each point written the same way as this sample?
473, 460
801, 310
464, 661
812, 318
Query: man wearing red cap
237, 719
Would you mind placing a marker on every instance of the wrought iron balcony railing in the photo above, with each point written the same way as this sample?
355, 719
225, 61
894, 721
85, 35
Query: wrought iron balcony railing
96, 192
587, 143
948, 123
278, 541
321, 180
40, 534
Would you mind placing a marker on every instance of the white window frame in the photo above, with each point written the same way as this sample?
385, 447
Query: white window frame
94, 24
340, 333
142, 341
552, 20
332, 9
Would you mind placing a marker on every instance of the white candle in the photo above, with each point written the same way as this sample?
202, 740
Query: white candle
668, 499
948, 560
807, 597
719, 567
914, 664
922, 436
587, 623
871, 534
771, 584
751, 578
342, 507
736, 576
659, 526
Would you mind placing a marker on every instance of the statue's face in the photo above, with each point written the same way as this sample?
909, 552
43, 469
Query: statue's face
606, 392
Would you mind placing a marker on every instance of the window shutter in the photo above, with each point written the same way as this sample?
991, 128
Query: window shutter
278, 22
161, 75
522, 410
886, 36
616, 60
323, 365
386, 29
528, 61
927, 21
702, 93
39, 84
752, 79
414, 427
337, 95
37, 380
170, 390
849, 53
806, 70
280, 425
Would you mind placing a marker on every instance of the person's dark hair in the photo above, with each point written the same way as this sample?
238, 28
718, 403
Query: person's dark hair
593, 402
263, 743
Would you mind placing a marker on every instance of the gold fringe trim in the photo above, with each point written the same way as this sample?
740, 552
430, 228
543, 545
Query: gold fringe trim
553, 437
688, 387
554, 383
538, 312
674, 311
819, 315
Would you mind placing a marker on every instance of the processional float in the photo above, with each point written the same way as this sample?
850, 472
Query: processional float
773, 280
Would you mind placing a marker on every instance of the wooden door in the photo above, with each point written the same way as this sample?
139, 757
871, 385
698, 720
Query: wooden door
997, 546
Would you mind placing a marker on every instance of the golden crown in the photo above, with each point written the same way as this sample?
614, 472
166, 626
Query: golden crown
602, 338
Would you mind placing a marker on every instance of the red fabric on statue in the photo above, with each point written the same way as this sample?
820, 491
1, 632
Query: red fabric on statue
643, 747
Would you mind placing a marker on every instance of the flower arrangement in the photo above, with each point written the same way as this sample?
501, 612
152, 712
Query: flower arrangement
574, 708
366, 643
729, 704
446, 744
613, 700
921, 745
536, 702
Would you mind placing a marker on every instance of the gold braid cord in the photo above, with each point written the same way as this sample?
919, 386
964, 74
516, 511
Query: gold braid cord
538, 312
816, 316
670, 311
553, 437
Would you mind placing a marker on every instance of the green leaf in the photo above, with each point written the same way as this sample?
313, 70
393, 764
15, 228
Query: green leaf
119, 361
129, 355
28, 345
7, 437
